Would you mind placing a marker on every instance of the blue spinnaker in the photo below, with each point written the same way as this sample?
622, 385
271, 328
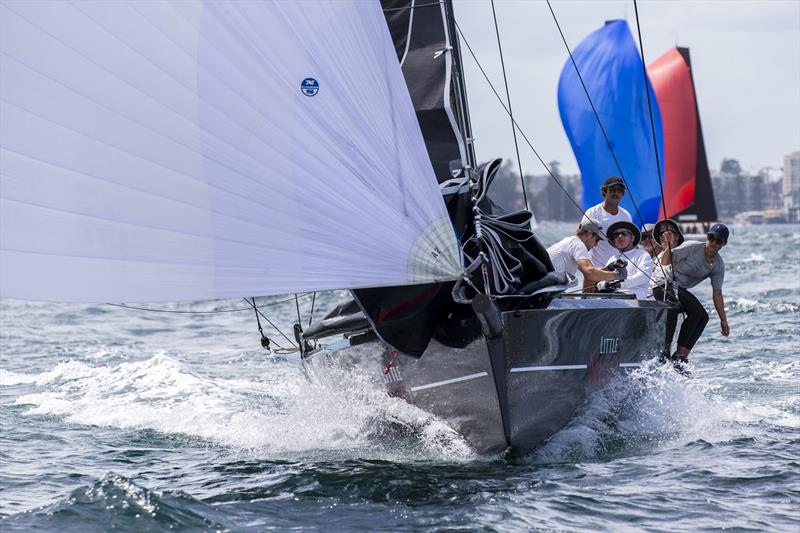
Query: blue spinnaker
611, 67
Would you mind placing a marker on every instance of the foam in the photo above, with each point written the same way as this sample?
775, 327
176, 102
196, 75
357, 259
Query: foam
280, 412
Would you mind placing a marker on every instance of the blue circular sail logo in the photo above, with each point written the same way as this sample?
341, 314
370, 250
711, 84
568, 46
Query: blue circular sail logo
309, 87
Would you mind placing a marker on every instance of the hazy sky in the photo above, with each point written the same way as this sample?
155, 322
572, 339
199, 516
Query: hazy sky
745, 59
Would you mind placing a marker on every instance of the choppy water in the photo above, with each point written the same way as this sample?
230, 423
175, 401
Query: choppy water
114, 418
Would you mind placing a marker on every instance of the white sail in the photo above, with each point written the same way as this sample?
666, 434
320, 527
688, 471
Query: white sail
164, 151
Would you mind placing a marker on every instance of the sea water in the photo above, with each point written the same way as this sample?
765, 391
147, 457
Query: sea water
115, 418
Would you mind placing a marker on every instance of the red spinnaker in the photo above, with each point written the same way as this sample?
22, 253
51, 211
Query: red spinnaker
672, 83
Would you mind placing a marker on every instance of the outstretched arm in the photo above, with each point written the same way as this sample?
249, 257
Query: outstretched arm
719, 305
592, 273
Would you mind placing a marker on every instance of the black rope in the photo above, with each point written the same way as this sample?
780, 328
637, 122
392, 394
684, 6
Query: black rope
297, 305
510, 112
311, 315
596, 115
650, 109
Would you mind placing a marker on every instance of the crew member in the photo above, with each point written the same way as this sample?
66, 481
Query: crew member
606, 213
685, 264
572, 254
649, 242
625, 237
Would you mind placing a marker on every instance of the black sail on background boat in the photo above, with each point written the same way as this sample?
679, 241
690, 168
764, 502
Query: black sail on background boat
688, 193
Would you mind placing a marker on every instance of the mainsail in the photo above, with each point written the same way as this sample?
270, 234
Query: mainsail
688, 194
169, 151
611, 68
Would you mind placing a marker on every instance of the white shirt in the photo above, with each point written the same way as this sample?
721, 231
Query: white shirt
604, 251
566, 253
640, 270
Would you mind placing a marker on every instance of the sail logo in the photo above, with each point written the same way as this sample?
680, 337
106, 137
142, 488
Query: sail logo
609, 345
309, 87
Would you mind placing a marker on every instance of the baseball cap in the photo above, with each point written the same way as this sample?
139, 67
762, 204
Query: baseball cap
590, 225
720, 231
613, 180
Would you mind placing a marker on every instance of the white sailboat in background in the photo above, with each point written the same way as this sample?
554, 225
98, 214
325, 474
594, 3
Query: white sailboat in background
163, 151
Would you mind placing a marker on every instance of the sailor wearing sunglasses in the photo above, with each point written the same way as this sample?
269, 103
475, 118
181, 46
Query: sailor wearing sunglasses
686, 264
625, 236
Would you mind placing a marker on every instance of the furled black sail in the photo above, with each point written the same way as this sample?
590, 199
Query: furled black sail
427, 48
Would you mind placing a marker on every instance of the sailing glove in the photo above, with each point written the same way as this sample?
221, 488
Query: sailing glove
615, 263
608, 286
620, 274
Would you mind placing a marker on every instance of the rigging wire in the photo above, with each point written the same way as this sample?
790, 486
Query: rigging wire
276, 328
650, 109
510, 112
177, 312
530, 145
596, 115
603, 130
404, 8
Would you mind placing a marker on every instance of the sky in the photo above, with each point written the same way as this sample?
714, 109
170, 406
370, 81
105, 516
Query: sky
745, 60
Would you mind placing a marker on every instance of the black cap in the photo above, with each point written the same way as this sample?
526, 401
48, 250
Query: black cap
613, 180
720, 231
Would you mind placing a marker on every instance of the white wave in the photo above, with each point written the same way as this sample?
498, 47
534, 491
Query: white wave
280, 412
748, 306
9, 378
657, 409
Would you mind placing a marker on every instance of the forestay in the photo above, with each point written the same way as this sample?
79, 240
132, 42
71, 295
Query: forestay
157, 151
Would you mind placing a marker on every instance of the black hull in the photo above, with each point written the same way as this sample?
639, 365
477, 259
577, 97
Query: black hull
520, 388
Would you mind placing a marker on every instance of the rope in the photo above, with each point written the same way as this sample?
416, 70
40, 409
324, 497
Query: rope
596, 115
276, 328
650, 110
311, 315
510, 113
390, 9
236, 310
655, 146
530, 145
600, 122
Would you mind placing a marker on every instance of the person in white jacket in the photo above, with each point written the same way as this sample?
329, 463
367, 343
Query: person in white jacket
625, 237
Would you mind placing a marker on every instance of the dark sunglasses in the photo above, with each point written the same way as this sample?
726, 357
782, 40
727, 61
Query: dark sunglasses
622, 233
717, 240
616, 188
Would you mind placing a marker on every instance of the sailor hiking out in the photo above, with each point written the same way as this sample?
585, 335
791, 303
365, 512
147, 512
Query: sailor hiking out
573, 253
686, 264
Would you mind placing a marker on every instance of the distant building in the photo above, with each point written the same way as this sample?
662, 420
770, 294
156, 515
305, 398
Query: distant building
791, 173
738, 193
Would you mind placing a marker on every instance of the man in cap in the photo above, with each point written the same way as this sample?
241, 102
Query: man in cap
686, 264
625, 236
606, 213
572, 254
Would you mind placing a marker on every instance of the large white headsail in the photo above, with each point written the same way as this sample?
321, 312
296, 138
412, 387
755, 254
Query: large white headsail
167, 151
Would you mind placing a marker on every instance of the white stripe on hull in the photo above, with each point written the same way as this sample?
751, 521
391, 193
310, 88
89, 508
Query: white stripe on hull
449, 381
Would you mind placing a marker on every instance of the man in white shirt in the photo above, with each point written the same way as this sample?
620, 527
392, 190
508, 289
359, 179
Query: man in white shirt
572, 254
606, 213
625, 237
